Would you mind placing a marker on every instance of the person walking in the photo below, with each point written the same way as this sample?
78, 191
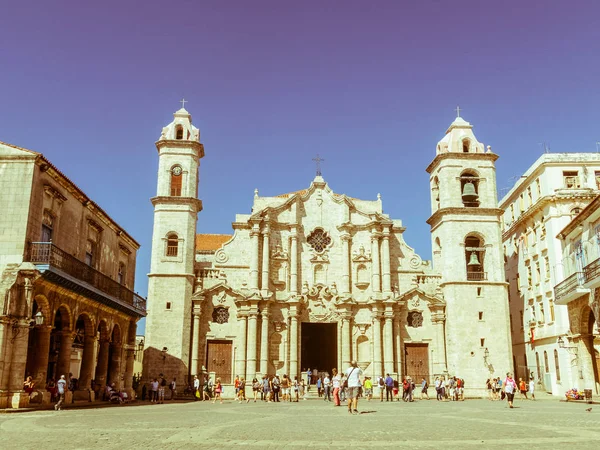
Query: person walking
522, 388
354, 377
62, 389
509, 387
381, 385
532, 388
218, 390
242, 391
336, 382
285, 388
267, 388
296, 389
326, 388
256, 388
424, 387
207, 389
368, 385
389, 386
197, 388
319, 387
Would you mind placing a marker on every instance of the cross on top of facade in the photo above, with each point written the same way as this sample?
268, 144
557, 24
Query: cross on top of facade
457, 111
183, 102
318, 160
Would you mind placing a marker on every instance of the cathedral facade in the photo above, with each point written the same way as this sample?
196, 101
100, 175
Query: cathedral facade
316, 279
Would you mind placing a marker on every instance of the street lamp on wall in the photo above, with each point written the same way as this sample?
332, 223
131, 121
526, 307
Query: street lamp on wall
564, 343
164, 353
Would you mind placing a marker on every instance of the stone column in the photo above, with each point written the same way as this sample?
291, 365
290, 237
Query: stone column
19, 343
87, 363
265, 260
102, 366
240, 364
440, 364
129, 361
388, 343
64, 356
345, 263
398, 344
195, 339
385, 263
264, 341
293, 262
377, 368
254, 257
40, 374
114, 375
346, 341
293, 342
375, 278
339, 347
251, 345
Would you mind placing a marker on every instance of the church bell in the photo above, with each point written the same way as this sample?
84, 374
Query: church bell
473, 260
468, 194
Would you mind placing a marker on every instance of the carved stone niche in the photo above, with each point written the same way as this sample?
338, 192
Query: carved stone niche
361, 261
279, 267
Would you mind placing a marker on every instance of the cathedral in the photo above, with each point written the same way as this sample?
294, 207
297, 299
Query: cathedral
316, 279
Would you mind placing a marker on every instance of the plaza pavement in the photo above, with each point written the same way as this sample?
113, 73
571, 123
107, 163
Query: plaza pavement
543, 424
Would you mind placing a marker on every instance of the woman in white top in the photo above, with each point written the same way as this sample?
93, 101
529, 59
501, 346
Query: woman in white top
532, 388
336, 381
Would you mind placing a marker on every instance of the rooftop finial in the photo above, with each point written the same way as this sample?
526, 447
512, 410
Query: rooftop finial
457, 111
318, 160
183, 102
256, 192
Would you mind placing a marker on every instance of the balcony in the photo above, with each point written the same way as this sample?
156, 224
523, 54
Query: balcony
476, 276
570, 289
66, 270
591, 274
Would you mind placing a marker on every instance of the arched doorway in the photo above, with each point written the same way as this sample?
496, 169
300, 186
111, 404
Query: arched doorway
588, 340
83, 345
59, 358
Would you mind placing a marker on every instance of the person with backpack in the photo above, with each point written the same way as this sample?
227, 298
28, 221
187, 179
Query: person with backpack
381, 384
161, 389
509, 386
354, 381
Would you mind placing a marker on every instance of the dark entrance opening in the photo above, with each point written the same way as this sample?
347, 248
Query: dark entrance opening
319, 346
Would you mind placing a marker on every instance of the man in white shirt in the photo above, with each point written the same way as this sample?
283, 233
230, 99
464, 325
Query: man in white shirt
354, 376
62, 389
196, 387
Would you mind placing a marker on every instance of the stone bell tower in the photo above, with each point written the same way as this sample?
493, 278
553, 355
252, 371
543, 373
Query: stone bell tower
467, 242
171, 277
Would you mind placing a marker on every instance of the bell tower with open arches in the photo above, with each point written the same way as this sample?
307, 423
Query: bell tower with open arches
467, 244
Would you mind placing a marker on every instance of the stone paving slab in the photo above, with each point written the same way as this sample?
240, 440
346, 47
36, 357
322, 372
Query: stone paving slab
309, 424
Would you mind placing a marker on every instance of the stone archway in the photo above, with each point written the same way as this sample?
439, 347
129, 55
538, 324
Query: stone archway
38, 348
61, 340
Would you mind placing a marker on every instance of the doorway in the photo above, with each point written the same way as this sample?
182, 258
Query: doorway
319, 346
416, 362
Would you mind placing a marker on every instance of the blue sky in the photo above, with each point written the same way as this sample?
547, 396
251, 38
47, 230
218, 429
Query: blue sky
370, 86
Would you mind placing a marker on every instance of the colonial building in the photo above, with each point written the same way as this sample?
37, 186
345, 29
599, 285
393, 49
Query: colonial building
315, 279
544, 200
579, 290
67, 270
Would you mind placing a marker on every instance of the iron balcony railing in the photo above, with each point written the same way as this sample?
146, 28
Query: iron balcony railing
476, 276
568, 285
50, 254
592, 270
